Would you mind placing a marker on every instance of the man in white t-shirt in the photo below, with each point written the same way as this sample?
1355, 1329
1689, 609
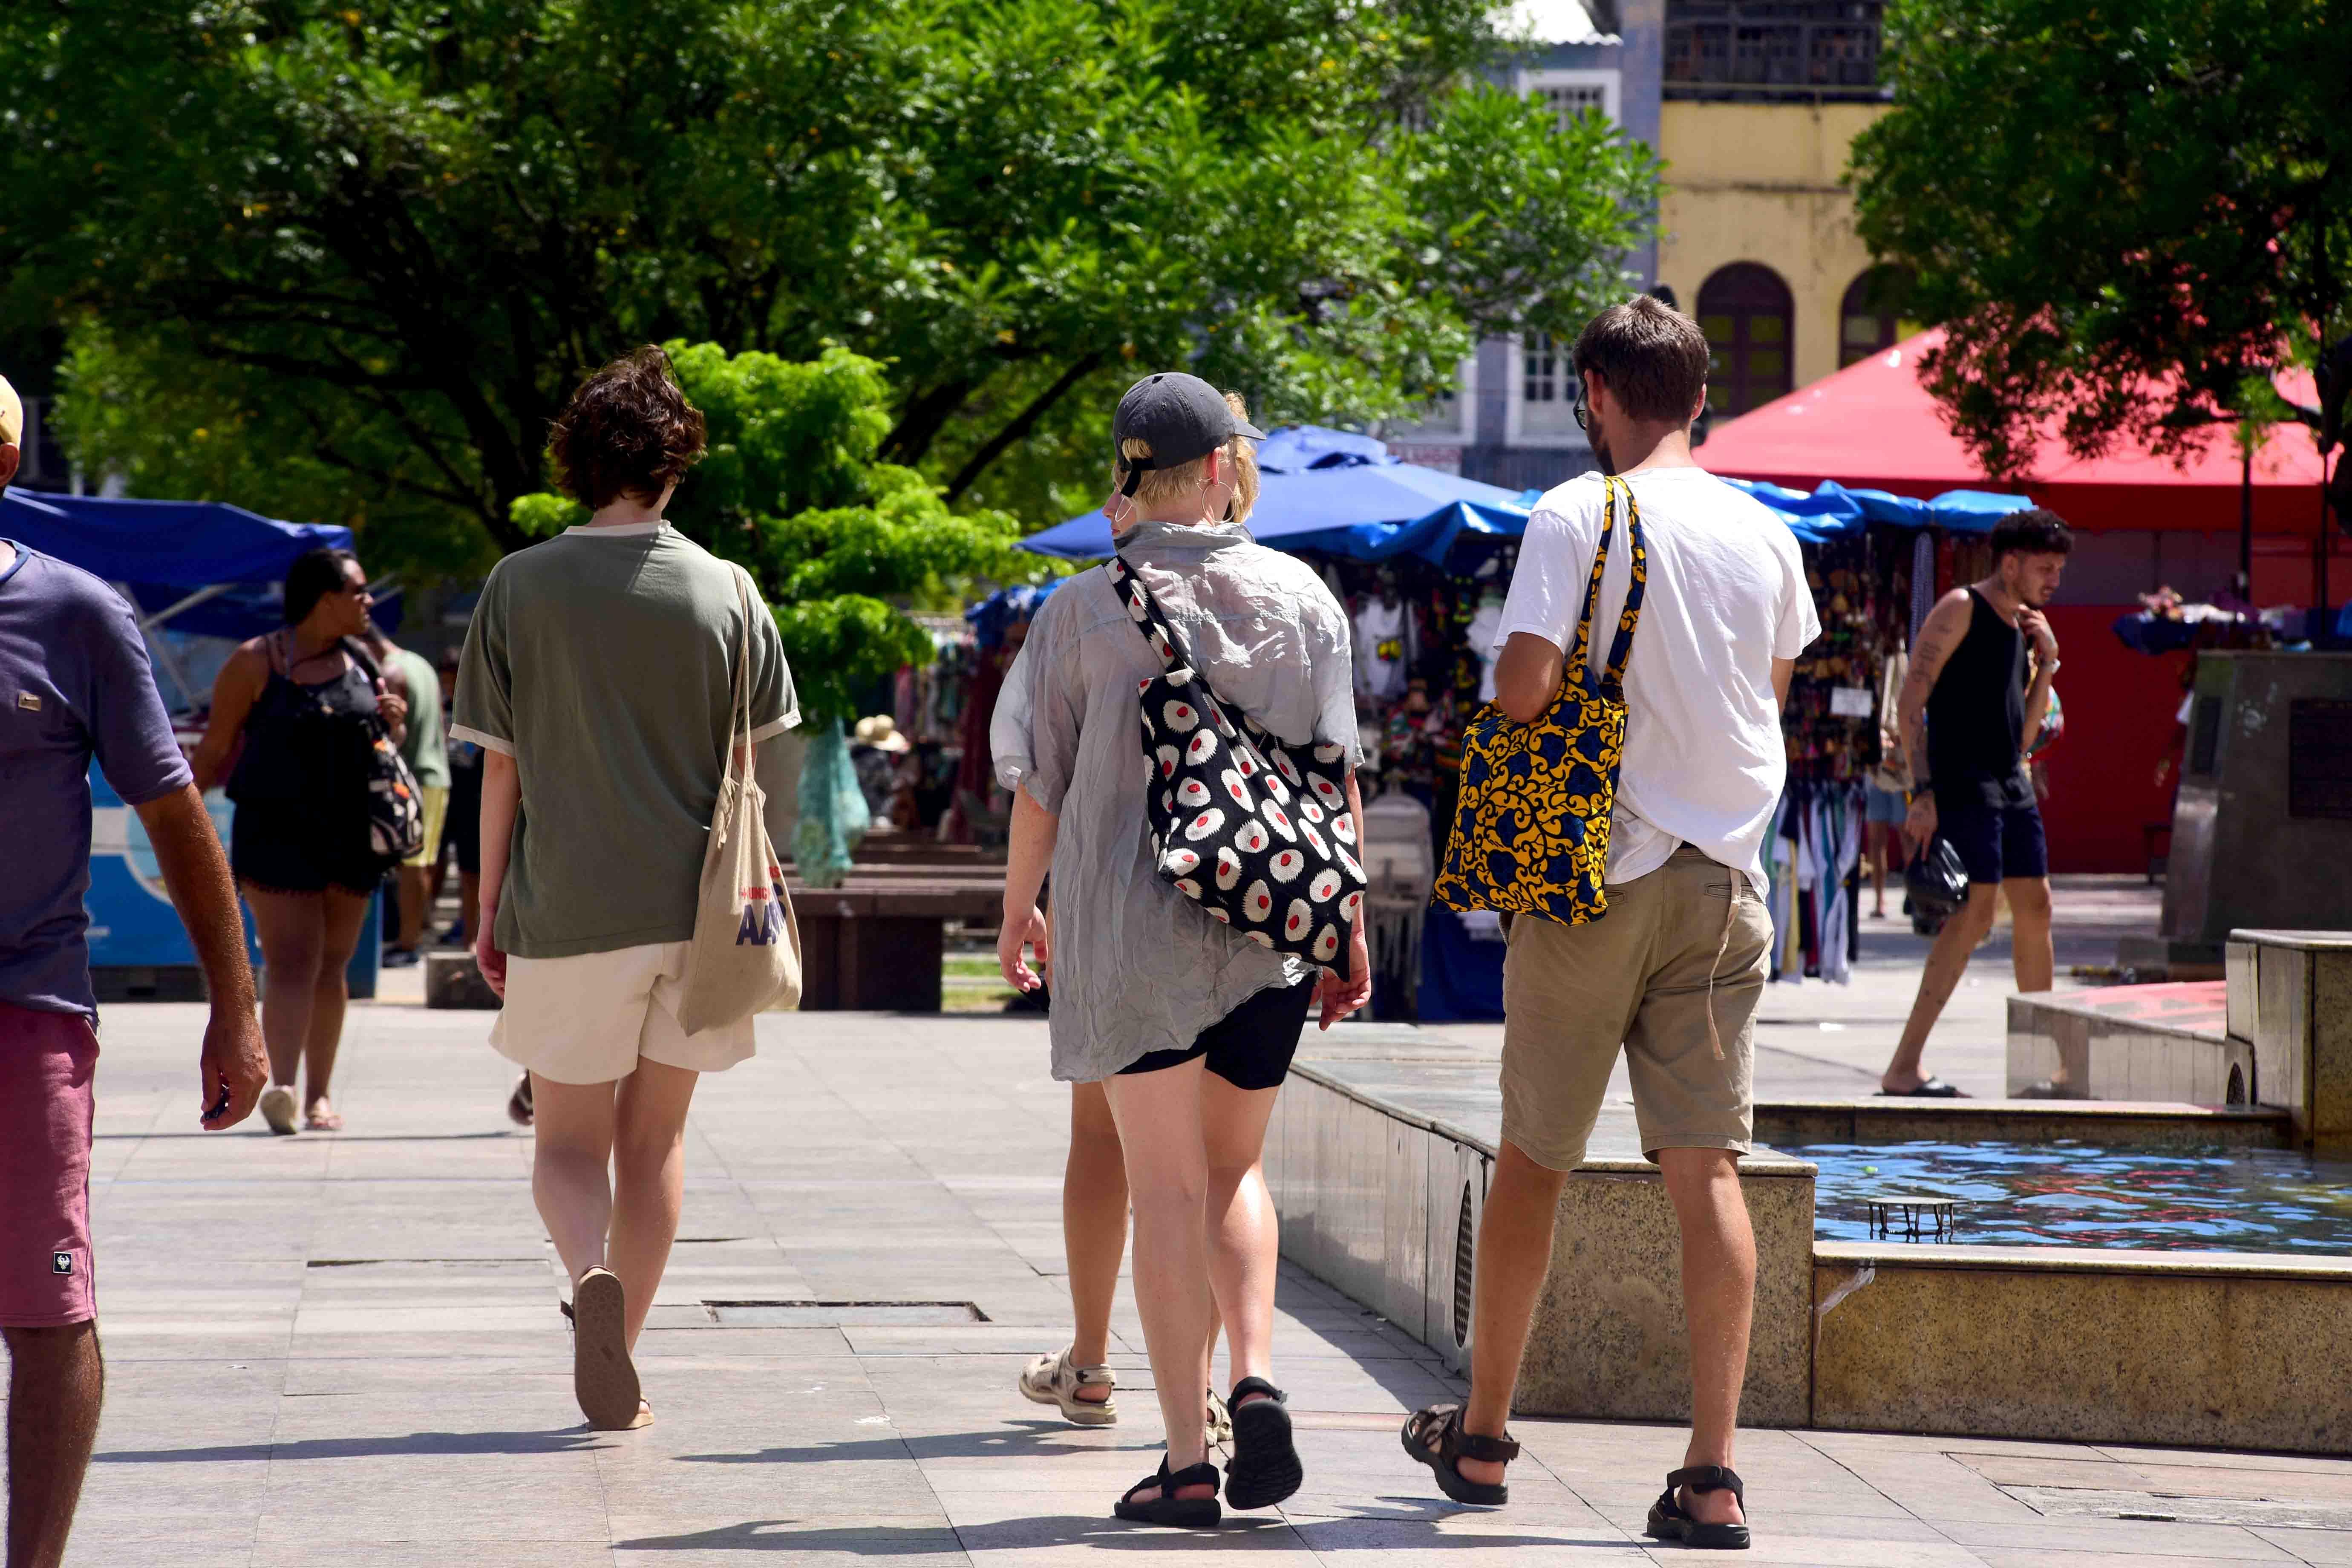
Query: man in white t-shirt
1673, 972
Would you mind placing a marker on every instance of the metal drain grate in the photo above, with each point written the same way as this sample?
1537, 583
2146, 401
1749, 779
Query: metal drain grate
1465, 1252
842, 1314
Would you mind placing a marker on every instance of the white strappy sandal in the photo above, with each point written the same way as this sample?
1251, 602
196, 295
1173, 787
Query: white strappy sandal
1055, 1380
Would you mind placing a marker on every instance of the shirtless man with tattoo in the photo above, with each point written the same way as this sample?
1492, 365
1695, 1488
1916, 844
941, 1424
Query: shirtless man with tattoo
1968, 715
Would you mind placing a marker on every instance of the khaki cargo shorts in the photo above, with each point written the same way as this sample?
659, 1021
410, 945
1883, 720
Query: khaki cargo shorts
1680, 947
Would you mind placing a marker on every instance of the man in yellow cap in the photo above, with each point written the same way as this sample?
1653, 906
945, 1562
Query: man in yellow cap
75, 684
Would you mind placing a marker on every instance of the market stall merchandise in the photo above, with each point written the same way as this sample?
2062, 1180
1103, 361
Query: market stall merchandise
2141, 520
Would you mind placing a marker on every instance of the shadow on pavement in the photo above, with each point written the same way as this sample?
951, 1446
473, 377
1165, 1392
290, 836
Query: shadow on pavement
1069, 1530
560, 1441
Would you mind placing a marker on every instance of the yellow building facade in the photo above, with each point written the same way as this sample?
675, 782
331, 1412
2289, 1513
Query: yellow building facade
1755, 193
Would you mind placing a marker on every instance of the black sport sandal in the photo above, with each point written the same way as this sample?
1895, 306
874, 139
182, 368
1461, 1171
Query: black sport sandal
1452, 1445
1669, 1522
1265, 1468
1188, 1513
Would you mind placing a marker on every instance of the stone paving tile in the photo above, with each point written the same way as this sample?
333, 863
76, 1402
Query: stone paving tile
2122, 1535
2320, 1547
413, 1406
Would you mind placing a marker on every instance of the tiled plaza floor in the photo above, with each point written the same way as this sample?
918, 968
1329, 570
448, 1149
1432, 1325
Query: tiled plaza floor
345, 1351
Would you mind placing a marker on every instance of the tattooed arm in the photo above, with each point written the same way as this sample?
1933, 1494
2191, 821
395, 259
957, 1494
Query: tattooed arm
1946, 625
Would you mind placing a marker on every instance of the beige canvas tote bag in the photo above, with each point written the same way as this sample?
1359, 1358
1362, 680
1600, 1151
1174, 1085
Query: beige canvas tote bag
746, 954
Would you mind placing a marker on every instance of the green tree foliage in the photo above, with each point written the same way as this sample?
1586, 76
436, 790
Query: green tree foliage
2128, 212
791, 489
418, 221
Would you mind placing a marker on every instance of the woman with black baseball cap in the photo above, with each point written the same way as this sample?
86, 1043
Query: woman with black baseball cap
1185, 1025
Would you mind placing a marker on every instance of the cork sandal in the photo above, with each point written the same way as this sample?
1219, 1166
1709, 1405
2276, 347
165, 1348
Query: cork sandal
603, 1379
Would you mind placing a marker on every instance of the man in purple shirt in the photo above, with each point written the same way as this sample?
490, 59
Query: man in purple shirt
74, 683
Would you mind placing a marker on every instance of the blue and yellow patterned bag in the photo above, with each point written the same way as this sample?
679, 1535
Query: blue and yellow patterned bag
1531, 833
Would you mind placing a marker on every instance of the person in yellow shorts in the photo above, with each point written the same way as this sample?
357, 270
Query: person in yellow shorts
426, 747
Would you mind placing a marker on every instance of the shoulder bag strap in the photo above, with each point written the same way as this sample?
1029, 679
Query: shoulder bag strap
1578, 671
361, 660
739, 705
1144, 611
1612, 682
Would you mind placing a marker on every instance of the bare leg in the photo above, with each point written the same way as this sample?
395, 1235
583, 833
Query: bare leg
1719, 1299
1093, 1226
1875, 835
571, 1168
292, 927
57, 1380
1947, 961
343, 913
416, 903
1244, 1242
649, 1180
1514, 1257
1159, 1117
2031, 948
469, 902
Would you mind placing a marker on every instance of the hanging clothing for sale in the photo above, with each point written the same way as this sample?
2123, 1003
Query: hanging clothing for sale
1484, 627
1385, 648
1923, 583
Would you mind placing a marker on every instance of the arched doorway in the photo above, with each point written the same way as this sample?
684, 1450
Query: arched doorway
1870, 318
1746, 313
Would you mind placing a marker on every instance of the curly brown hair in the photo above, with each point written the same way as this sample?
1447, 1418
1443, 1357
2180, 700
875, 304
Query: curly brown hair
627, 431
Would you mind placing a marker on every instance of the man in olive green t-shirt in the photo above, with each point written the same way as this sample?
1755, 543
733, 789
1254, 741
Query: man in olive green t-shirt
616, 713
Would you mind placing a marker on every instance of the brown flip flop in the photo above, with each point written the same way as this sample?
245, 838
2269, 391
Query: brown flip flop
603, 1379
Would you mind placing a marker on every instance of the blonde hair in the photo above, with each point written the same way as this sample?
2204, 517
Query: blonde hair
1156, 486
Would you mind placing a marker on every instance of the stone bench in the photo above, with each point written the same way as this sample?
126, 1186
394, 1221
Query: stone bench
878, 943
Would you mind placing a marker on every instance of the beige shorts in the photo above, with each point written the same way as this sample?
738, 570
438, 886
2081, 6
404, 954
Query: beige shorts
590, 1018
1689, 938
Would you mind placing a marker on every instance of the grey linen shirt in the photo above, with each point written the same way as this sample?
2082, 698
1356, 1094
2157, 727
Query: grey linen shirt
1137, 966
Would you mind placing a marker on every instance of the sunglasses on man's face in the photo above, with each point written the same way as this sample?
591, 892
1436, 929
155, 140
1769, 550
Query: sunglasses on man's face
1583, 409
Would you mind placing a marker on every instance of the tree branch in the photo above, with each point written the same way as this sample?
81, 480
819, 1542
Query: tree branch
1020, 424
926, 413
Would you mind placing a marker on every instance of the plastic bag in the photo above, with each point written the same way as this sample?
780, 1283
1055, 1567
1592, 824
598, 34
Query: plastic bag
1936, 881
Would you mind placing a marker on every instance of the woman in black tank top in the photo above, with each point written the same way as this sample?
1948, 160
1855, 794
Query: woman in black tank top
303, 702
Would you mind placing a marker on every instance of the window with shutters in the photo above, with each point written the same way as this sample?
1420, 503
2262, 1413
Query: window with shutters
1870, 319
1543, 393
1747, 315
1568, 93
1764, 49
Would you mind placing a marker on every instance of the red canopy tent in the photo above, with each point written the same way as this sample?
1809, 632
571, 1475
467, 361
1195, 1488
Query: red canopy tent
1873, 425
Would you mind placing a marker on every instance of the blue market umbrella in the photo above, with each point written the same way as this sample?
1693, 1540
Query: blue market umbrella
1346, 496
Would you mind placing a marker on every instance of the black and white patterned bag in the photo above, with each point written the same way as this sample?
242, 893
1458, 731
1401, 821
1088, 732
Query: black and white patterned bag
1255, 832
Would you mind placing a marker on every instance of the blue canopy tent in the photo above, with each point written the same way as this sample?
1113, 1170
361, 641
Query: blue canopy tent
1339, 493
201, 567
1834, 511
1336, 493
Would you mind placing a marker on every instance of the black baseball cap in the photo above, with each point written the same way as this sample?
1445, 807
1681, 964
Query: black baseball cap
1181, 415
